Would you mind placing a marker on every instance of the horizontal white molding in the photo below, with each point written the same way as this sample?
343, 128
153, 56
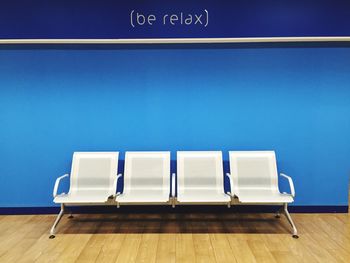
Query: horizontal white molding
176, 40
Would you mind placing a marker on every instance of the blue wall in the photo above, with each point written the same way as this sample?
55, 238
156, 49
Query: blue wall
295, 100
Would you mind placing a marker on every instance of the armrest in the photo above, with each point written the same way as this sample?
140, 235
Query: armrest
173, 185
291, 184
55, 188
116, 182
231, 184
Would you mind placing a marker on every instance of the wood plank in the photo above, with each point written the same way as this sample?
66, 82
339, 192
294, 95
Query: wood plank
130, 248
259, 249
241, 249
185, 251
204, 251
316, 249
166, 249
92, 248
297, 249
112, 247
75, 247
222, 249
148, 248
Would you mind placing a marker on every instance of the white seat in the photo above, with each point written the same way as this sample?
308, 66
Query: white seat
93, 178
200, 178
146, 178
254, 177
254, 180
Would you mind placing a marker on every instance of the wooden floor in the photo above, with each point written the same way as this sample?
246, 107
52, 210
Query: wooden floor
197, 237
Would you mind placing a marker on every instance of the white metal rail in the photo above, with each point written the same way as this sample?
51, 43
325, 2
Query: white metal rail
177, 40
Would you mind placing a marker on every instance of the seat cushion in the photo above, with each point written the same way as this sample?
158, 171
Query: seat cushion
143, 196
262, 196
202, 196
82, 197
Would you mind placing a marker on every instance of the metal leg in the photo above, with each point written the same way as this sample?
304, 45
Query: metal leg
53, 228
116, 201
173, 202
295, 231
279, 211
70, 215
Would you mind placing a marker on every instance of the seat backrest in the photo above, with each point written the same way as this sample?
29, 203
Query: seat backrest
200, 170
147, 171
253, 169
94, 171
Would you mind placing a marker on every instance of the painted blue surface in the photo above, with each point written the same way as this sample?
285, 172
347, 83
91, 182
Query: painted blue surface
227, 18
295, 100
